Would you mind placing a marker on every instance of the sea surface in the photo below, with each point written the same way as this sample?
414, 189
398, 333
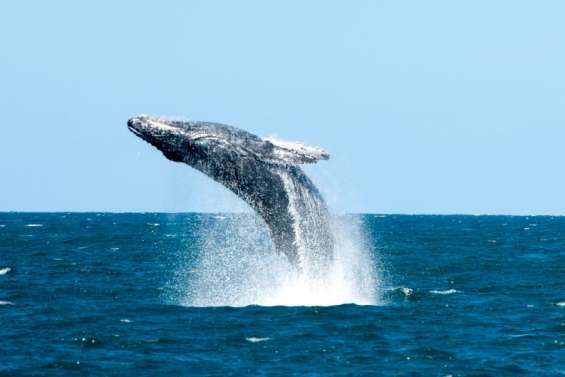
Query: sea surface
149, 294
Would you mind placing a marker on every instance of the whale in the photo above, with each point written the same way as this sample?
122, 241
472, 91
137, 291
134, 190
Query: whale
265, 173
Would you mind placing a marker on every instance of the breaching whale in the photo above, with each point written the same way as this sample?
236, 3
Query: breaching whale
265, 173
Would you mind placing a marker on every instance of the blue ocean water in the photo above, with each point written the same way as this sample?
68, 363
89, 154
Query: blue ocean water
115, 294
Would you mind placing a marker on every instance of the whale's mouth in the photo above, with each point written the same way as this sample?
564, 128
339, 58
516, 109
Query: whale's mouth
136, 125
144, 126
135, 130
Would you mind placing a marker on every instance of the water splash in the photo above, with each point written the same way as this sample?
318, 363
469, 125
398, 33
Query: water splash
314, 240
238, 266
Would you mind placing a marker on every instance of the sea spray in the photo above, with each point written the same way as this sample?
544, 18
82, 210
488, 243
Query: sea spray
314, 239
237, 266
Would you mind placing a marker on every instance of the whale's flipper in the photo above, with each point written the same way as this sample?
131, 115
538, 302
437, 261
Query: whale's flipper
262, 172
291, 152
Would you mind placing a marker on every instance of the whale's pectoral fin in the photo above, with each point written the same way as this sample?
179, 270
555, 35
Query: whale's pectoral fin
290, 152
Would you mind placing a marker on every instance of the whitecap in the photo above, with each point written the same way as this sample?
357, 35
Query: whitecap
115, 248
560, 304
5, 270
153, 224
253, 339
404, 290
34, 225
444, 292
219, 217
2, 226
125, 320
520, 335
407, 291
6, 303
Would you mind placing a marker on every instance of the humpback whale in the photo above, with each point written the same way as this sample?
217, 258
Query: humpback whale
265, 173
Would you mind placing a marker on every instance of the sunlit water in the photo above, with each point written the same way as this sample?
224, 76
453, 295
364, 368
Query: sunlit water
145, 294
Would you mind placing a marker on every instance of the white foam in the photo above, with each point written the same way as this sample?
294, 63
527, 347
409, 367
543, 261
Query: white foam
253, 339
114, 248
34, 225
5, 270
407, 291
444, 292
238, 267
153, 224
2, 226
560, 304
6, 303
520, 335
125, 320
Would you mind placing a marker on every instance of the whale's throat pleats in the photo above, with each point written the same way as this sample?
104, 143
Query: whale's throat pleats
289, 203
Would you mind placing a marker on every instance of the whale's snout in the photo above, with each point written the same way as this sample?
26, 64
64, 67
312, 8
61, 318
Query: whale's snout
132, 122
136, 125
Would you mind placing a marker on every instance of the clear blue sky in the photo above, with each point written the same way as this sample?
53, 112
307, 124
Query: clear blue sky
425, 107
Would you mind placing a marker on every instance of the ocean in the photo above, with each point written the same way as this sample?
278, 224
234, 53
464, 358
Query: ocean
148, 294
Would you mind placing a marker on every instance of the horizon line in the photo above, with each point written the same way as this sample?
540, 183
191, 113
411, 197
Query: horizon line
250, 212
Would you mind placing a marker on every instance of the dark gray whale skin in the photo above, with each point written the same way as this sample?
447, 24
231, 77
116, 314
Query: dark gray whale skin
258, 171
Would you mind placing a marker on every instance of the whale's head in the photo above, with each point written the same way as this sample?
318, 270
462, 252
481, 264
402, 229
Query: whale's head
186, 141
194, 142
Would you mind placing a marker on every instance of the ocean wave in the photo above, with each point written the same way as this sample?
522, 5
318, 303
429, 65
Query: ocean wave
5, 270
253, 339
34, 225
560, 304
400, 293
444, 292
2, 303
